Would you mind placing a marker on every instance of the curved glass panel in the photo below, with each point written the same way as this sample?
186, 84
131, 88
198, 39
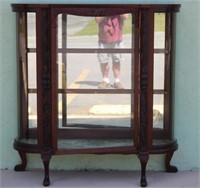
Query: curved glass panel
159, 30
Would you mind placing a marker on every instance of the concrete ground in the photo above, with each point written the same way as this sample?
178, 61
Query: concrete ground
99, 179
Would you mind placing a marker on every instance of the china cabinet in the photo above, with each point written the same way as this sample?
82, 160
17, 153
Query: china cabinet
62, 110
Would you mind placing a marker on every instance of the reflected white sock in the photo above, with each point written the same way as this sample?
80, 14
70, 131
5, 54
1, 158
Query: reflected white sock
117, 80
106, 80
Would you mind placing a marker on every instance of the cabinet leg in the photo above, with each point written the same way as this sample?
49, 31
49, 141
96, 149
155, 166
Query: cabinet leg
46, 159
144, 157
168, 166
22, 166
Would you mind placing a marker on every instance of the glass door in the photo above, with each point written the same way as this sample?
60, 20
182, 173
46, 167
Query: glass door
93, 110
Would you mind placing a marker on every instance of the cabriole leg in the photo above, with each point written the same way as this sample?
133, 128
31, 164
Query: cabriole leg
168, 166
46, 159
144, 157
22, 166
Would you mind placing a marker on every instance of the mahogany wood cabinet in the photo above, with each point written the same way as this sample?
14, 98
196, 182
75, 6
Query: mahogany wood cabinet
62, 110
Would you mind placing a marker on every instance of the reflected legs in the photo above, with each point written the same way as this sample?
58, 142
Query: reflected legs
116, 70
104, 70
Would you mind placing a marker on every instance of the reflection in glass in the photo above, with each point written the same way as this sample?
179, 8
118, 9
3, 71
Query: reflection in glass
159, 71
73, 31
79, 68
83, 71
158, 111
95, 110
32, 110
159, 30
32, 80
31, 30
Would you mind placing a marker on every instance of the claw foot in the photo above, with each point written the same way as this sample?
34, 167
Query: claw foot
172, 169
169, 167
143, 182
20, 167
46, 181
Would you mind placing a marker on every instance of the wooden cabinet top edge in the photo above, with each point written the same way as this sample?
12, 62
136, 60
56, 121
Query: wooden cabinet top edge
154, 7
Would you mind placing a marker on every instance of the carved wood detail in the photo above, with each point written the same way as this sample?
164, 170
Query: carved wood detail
145, 24
46, 80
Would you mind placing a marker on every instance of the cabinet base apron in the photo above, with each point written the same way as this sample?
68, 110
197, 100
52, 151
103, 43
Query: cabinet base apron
168, 147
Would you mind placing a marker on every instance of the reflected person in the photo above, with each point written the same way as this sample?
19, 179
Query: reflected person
110, 36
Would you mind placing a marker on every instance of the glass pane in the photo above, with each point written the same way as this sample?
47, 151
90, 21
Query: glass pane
32, 114
31, 30
83, 71
32, 71
158, 111
159, 71
94, 110
84, 54
159, 30
32, 109
83, 31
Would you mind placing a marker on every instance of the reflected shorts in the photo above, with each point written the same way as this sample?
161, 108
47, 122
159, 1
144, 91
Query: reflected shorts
104, 57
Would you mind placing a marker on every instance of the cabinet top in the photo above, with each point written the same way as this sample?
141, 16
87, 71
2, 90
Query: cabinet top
153, 7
